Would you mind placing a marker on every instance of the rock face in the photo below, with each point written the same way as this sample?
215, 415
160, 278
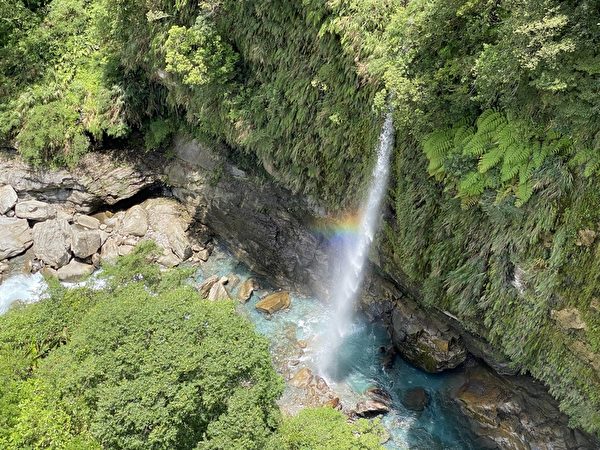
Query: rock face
35, 210
516, 413
424, 341
274, 302
268, 227
15, 237
8, 198
52, 242
569, 319
99, 179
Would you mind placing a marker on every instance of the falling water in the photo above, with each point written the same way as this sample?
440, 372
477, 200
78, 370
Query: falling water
351, 256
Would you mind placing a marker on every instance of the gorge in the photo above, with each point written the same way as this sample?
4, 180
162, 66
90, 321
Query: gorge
236, 135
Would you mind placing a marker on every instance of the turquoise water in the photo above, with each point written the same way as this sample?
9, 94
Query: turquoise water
439, 426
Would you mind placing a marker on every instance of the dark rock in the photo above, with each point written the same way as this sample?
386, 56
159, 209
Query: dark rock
425, 341
371, 408
516, 413
416, 399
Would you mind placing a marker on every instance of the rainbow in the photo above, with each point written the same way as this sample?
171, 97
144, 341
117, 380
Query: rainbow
341, 228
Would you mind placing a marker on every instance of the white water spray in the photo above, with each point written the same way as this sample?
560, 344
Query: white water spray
353, 254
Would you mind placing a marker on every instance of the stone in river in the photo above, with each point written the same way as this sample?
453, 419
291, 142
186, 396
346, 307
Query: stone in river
246, 290
302, 378
205, 286
371, 408
15, 237
274, 302
8, 198
416, 399
218, 291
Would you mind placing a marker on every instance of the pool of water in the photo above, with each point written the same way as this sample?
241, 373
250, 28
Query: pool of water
294, 335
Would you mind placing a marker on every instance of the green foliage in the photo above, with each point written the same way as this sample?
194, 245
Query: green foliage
496, 153
327, 429
142, 364
197, 54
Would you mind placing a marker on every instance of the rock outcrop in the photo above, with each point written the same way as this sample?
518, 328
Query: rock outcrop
424, 341
99, 179
516, 413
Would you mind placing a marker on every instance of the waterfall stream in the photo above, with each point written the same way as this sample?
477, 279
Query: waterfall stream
352, 253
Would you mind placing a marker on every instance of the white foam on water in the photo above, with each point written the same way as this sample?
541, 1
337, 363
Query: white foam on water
27, 288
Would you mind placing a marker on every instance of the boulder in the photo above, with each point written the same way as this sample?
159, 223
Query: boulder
371, 408
126, 250
35, 210
218, 290
110, 250
135, 222
203, 254
205, 286
8, 198
274, 302
168, 259
52, 242
84, 221
168, 223
379, 395
333, 403
84, 241
15, 237
424, 341
415, 399
246, 289
302, 378
74, 271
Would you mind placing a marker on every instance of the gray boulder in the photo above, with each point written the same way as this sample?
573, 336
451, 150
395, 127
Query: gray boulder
110, 250
135, 222
89, 222
35, 210
84, 242
52, 242
8, 198
74, 271
15, 237
218, 290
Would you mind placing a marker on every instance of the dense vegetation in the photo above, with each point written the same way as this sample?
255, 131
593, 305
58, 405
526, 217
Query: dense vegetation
146, 364
495, 198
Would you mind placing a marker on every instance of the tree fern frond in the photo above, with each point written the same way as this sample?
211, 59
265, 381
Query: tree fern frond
490, 160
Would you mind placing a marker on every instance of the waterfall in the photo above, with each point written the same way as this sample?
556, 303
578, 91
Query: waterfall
351, 255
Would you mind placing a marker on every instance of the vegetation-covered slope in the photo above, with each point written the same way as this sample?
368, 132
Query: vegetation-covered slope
496, 104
